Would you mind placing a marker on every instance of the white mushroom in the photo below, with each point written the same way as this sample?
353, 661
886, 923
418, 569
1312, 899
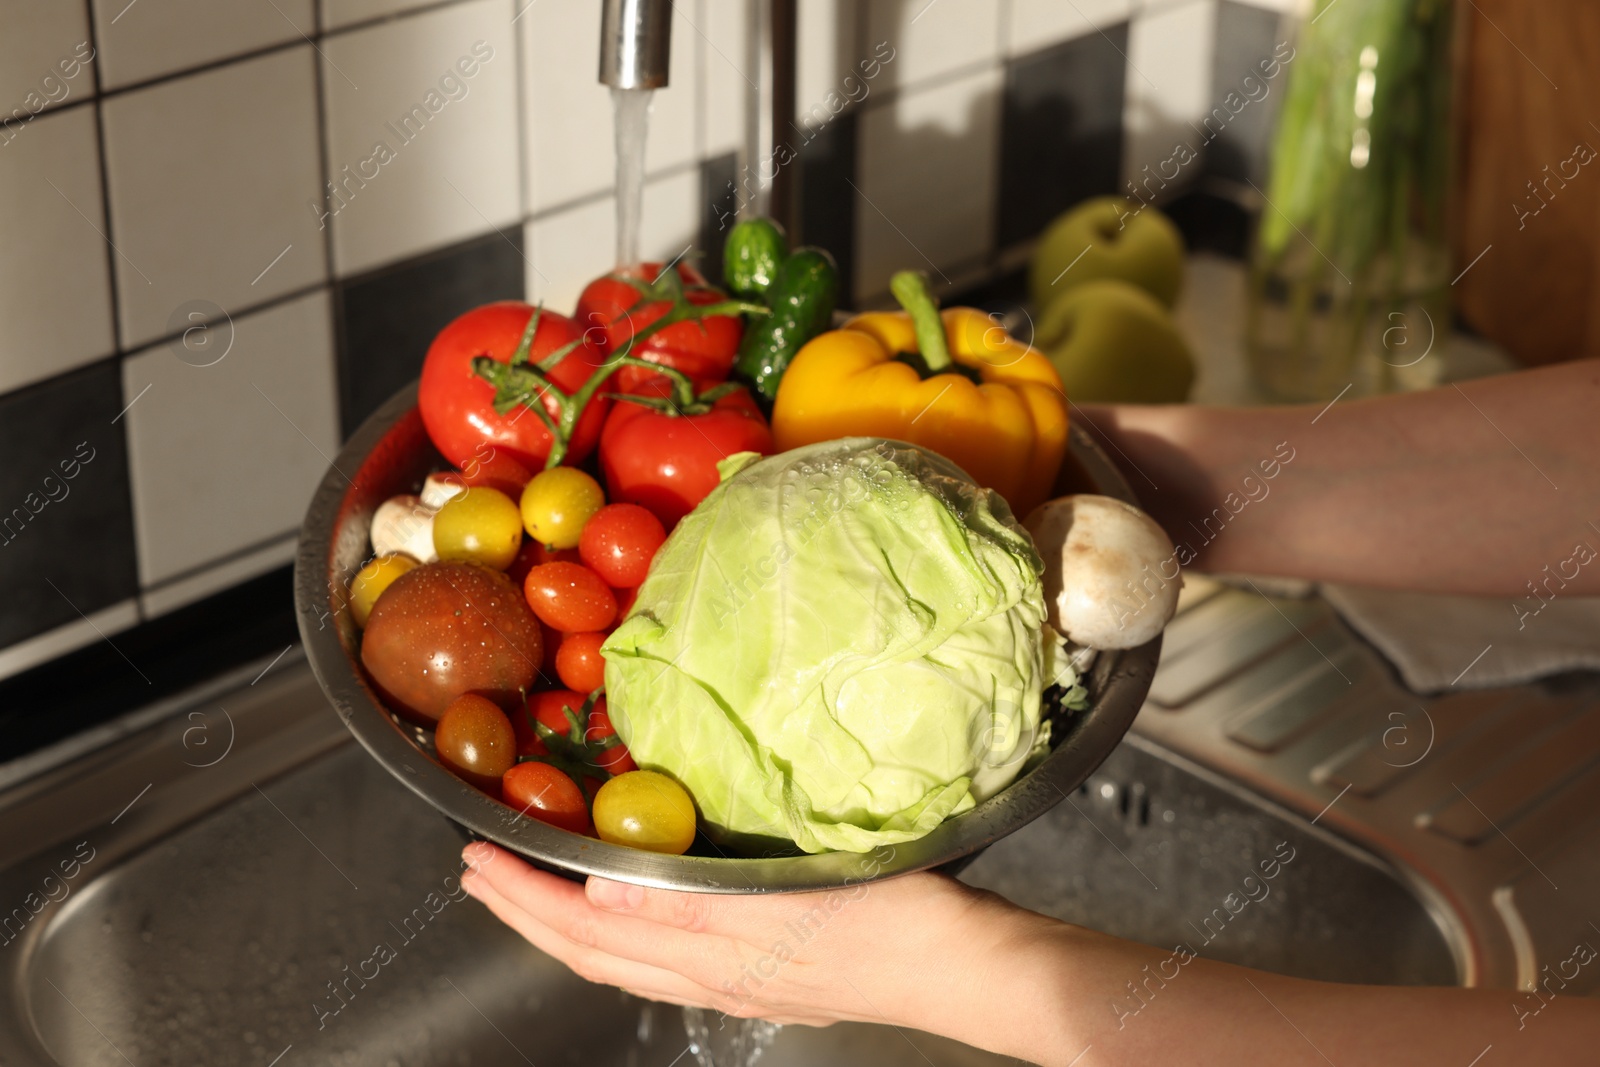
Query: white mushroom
439, 487
402, 525
1111, 576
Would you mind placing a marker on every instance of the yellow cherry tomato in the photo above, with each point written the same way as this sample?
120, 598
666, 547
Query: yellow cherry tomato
480, 525
556, 504
645, 810
370, 582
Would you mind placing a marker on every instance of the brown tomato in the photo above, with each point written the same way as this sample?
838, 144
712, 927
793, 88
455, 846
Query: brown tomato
444, 629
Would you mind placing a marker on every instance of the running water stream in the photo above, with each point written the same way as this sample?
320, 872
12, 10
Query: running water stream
716, 1040
719, 1040
631, 118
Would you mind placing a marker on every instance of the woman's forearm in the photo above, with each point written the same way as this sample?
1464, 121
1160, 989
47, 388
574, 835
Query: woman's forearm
1472, 489
1133, 1004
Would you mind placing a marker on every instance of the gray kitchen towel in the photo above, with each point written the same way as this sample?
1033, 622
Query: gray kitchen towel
1472, 642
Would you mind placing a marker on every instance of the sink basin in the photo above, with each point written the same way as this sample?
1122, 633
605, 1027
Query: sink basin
234, 909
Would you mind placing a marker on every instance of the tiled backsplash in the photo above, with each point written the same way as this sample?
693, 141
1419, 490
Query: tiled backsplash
231, 229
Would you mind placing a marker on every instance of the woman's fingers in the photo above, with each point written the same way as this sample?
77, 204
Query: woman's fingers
590, 963
710, 959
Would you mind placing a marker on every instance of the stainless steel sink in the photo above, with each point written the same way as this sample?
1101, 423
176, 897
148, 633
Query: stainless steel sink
230, 881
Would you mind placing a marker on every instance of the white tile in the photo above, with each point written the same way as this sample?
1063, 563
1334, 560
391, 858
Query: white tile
225, 455
825, 32
44, 56
79, 633
933, 37
337, 13
241, 568
212, 177
725, 72
570, 146
422, 153
1035, 24
927, 180
146, 39
1297, 8
572, 247
55, 289
1168, 88
833, 72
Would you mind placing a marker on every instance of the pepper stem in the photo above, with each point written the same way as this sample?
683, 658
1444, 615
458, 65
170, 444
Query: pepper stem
910, 287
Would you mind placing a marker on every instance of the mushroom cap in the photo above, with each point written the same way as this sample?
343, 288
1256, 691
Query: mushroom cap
1111, 575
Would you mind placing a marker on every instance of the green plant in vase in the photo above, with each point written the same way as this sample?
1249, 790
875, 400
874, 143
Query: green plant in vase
1349, 274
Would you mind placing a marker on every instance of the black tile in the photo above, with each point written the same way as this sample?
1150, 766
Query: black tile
719, 210
66, 517
388, 319
1211, 222
827, 166
1248, 80
1060, 130
251, 621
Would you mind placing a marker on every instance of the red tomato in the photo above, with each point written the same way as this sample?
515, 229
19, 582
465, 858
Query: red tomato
618, 543
497, 470
625, 599
612, 309
541, 791
570, 597
579, 664
614, 759
457, 406
668, 463
548, 707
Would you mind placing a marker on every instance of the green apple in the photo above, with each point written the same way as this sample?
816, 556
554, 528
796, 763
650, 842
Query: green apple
1112, 342
1108, 237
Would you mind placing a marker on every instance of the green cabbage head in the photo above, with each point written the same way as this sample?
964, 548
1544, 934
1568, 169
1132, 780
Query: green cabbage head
842, 646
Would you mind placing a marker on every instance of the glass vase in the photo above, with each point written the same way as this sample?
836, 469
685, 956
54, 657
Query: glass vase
1349, 275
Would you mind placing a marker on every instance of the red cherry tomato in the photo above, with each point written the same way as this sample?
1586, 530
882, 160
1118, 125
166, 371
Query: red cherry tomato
544, 793
457, 406
668, 463
615, 759
625, 599
618, 543
570, 597
549, 708
579, 664
612, 309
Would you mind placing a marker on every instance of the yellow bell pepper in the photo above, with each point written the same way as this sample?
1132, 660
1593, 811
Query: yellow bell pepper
1008, 429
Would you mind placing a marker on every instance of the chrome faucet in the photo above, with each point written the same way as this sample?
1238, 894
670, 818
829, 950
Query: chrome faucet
635, 43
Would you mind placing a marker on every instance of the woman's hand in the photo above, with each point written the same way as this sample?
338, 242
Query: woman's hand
922, 951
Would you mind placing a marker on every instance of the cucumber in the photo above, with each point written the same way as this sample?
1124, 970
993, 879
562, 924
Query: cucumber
751, 256
802, 298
